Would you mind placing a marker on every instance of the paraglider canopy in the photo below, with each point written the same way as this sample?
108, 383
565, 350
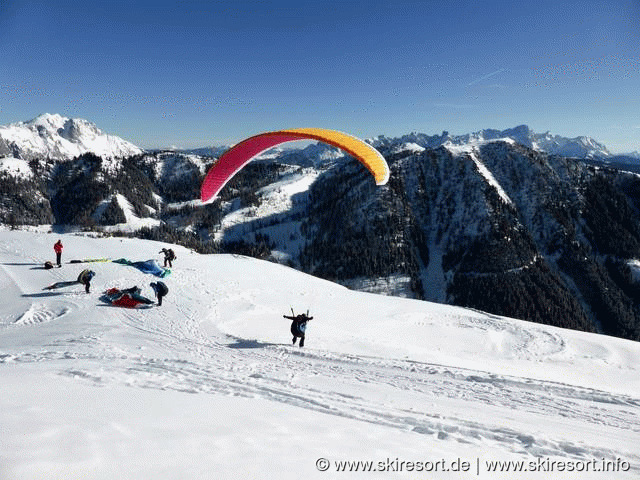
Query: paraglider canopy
239, 155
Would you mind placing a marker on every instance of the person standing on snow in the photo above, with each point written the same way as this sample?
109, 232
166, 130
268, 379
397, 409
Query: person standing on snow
160, 289
57, 247
169, 255
298, 326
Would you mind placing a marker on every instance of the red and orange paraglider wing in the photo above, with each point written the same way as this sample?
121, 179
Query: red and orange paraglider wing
239, 155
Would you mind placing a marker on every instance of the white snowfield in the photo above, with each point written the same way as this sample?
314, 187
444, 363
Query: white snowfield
208, 386
15, 167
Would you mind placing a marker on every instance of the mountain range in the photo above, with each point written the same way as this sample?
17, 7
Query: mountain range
532, 226
56, 137
580, 147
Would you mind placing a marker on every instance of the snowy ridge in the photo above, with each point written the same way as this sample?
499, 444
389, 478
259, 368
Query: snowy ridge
279, 204
304, 154
132, 221
90, 389
579, 147
57, 137
170, 164
472, 151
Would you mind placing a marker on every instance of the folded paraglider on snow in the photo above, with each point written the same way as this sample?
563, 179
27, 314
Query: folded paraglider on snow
128, 298
147, 266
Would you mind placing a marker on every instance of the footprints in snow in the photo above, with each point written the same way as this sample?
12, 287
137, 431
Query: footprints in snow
40, 313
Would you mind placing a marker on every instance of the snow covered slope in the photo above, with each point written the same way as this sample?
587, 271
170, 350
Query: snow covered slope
208, 385
56, 137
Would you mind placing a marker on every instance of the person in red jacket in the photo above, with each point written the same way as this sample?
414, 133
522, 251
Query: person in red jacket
58, 249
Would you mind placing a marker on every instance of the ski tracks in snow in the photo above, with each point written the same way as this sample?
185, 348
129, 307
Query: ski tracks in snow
24, 310
173, 349
441, 402
407, 395
527, 343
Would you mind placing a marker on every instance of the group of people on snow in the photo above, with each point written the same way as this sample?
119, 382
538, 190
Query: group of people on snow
159, 288
298, 322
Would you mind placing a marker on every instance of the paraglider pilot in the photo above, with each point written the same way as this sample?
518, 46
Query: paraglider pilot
160, 289
57, 247
298, 326
169, 255
85, 279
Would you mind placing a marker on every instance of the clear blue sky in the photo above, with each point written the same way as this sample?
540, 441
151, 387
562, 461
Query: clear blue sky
196, 73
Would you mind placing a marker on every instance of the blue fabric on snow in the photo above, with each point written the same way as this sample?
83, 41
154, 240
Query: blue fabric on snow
147, 266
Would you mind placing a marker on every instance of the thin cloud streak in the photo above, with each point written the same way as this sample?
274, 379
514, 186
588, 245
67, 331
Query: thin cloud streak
487, 76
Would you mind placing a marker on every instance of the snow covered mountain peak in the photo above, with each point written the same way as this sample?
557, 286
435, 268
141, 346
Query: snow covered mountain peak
51, 121
579, 147
61, 138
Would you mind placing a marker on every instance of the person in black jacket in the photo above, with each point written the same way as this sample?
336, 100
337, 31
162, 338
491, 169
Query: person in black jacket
169, 256
160, 289
298, 326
